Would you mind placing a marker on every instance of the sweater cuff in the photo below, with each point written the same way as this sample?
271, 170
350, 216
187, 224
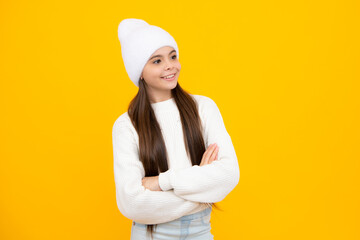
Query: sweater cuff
164, 180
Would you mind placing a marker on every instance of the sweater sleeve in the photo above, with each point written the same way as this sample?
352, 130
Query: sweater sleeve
211, 182
133, 199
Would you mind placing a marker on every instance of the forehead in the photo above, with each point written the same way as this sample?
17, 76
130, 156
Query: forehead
163, 51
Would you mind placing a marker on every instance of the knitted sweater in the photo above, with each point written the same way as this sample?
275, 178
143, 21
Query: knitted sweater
185, 188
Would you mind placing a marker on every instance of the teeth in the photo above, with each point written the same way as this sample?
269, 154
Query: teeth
170, 76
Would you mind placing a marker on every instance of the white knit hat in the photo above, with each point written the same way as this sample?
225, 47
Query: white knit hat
139, 41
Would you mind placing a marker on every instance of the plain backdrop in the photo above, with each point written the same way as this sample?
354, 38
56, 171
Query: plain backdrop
284, 74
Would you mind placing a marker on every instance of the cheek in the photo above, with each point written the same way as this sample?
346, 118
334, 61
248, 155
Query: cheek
157, 73
153, 73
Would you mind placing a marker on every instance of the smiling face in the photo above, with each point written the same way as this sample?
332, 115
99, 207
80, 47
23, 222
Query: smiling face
163, 62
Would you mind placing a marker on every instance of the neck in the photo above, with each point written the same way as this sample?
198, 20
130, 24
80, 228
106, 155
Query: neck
160, 97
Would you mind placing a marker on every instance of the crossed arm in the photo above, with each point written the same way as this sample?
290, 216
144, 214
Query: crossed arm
211, 182
210, 155
133, 199
148, 199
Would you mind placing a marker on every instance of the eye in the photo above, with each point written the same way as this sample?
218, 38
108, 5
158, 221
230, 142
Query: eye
174, 56
156, 61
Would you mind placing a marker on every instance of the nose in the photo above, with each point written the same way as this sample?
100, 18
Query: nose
168, 65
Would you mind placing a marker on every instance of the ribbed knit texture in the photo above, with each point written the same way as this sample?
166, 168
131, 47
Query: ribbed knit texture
185, 187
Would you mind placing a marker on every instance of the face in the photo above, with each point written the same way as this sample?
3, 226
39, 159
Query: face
163, 62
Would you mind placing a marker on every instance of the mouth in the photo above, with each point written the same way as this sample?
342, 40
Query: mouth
169, 77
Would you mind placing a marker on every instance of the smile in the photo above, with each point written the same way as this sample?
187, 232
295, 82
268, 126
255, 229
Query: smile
169, 77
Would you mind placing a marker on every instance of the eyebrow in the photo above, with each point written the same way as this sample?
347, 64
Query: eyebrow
161, 55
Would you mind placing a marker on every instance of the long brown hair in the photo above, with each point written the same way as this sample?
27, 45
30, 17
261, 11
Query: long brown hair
152, 149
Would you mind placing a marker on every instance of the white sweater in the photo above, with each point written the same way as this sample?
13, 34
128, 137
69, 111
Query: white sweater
185, 187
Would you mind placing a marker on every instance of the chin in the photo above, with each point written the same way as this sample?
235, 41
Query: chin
174, 87
174, 84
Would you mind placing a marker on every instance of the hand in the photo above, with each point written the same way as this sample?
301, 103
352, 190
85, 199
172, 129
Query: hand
210, 154
151, 183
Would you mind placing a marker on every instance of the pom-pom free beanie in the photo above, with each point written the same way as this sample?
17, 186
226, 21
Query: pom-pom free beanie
139, 40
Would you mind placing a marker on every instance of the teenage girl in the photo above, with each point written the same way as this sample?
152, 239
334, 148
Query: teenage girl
173, 158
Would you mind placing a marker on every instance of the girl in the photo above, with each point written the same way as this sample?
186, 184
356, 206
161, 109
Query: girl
173, 158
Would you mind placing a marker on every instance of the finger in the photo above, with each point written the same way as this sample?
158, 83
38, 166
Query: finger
203, 161
206, 155
209, 150
215, 158
214, 153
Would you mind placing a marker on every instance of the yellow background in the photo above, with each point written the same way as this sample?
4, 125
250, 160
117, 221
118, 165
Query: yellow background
285, 75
